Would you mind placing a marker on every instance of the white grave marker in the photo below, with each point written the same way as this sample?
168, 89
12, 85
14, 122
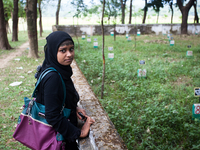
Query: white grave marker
142, 73
189, 53
88, 40
172, 42
127, 35
138, 32
129, 38
95, 44
112, 33
111, 55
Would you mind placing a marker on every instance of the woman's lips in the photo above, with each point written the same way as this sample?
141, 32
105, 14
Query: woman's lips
68, 60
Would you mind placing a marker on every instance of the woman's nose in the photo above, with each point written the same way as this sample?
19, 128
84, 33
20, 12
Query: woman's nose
68, 53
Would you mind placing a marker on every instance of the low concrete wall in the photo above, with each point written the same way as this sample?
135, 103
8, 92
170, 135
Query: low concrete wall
103, 135
123, 28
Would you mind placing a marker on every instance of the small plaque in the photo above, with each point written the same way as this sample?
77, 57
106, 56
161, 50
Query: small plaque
110, 48
112, 33
129, 39
127, 35
110, 55
172, 43
83, 36
189, 53
88, 40
196, 109
142, 73
95, 44
189, 46
142, 62
95, 39
138, 33
197, 91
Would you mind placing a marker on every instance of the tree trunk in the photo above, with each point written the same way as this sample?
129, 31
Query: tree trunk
40, 14
145, 12
184, 11
172, 10
115, 31
57, 12
196, 18
75, 32
102, 28
7, 27
4, 44
31, 13
157, 17
123, 6
15, 21
130, 15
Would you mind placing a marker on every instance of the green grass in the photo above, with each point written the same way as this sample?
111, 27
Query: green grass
151, 113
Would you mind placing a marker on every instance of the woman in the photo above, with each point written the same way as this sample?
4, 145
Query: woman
59, 54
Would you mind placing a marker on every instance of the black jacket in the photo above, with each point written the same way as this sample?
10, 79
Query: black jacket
50, 93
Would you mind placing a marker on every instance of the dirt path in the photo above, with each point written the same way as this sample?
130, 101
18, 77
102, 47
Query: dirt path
4, 61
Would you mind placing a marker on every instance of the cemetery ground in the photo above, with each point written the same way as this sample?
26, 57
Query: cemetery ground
152, 112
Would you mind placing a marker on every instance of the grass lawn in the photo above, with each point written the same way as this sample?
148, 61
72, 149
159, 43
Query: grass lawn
153, 112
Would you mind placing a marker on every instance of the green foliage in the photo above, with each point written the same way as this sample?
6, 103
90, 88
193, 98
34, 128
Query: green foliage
8, 6
112, 8
21, 11
151, 113
81, 8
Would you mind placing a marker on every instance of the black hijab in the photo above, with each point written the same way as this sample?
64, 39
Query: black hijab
51, 48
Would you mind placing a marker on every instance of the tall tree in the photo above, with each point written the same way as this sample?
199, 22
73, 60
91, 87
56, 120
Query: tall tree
130, 15
170, 2
31, 13
40, 16
172, 10
111, 8
184, 11
15, 21
123, 7
81, 8
57, 12
156, 4
4, 44
102, 27
196, 18
145, 12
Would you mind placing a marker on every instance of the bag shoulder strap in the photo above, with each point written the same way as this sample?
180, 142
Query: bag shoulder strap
42, 75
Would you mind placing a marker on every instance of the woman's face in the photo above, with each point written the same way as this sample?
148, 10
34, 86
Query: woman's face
65, 54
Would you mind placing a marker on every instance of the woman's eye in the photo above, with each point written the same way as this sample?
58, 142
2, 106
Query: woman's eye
72, 49
63, 51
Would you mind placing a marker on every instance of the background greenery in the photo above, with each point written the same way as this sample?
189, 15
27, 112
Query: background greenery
151, 113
